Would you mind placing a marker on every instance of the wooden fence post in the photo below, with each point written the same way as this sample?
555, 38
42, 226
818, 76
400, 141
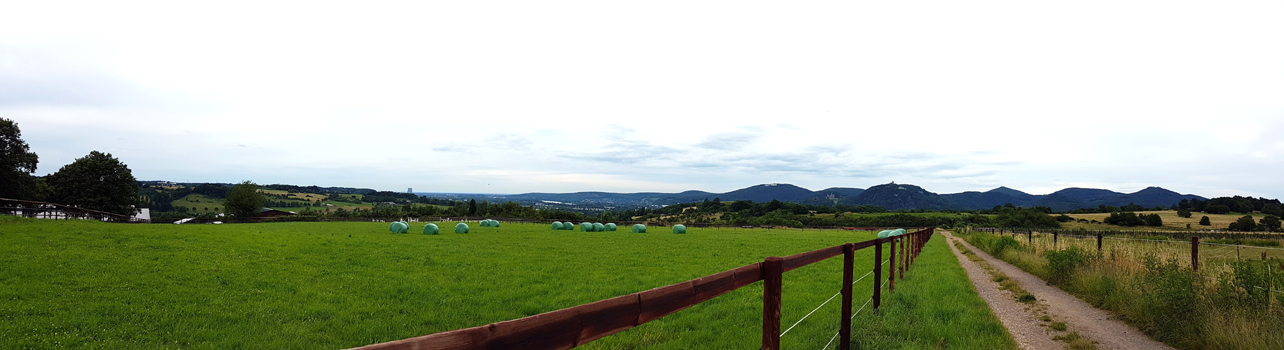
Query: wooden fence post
1054, 240
891, 271
1194, 253
878, 273
904, 256
772, 268
1098, 242
845, 328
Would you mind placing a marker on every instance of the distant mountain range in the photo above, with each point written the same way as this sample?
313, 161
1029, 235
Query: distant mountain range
892, 196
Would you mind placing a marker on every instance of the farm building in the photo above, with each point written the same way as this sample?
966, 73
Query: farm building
271, 213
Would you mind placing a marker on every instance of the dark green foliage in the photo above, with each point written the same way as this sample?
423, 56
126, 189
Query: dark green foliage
244, 200
1064, 218
1025, 218
1185, 213
17, 162
1168, 303
1243, 287
1062, 263
1132, 219
1217, 209
997, 246
1245, 223
1204, 221
472, 207
96, 181
1269, 223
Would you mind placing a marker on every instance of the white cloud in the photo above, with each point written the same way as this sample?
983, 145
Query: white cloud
952, 96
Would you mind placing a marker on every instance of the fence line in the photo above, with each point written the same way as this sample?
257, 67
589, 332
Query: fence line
54, 211
578, 325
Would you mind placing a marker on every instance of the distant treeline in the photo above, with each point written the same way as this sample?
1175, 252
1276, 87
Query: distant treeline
1237, 204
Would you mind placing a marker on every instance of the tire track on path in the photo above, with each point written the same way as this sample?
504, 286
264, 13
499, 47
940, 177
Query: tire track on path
1023, 322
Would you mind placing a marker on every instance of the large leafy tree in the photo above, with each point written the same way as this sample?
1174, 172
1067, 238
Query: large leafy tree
244, 200
17, 162
96, 181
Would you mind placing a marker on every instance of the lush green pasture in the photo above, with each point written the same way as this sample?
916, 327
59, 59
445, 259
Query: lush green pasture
197, 203
335, 285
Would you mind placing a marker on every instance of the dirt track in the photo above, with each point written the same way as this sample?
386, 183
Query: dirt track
1022, 320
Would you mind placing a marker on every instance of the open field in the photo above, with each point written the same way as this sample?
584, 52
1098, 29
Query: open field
334, 285
196, 203
1171, 221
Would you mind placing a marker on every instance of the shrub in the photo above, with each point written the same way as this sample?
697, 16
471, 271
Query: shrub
1061, 264
1204, 221
997, 246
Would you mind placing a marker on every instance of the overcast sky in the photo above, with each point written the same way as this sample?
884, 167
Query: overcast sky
553, 96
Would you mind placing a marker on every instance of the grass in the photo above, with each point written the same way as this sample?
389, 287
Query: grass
79, 284
197, 203
1151, 285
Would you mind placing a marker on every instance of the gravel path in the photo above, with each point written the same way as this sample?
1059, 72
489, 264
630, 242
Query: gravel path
1022, 319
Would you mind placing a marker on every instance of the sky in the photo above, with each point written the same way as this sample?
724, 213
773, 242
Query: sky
666, 96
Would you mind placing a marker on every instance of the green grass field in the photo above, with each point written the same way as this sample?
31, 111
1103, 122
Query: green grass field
335, 285
197, 203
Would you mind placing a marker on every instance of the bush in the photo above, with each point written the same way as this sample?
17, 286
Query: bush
1061, 264
1204, 221
997, 246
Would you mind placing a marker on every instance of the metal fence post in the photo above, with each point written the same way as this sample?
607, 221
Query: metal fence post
772, 268
849, 261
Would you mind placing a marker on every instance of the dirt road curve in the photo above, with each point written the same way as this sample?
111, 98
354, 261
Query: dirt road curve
1022, 319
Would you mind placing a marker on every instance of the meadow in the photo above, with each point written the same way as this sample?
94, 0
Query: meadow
1228, 303
80, 284
1171, 221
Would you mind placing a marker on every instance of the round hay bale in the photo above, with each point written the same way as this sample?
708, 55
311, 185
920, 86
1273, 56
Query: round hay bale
392, 227
431, 229
898, 232
586, 227
884, 233
494, 223
557, 225
679, 228
484, 223
610, 227
639, 228
599, 227
461, 228
400, 227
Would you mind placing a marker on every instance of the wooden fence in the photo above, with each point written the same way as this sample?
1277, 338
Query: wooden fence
578, 325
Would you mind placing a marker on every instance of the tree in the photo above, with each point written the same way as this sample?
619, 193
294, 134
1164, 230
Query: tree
472, 207
1154, 220
96, 181
1245, 223
17, 162
1269, 223
1182, 212
244, 200
1204, 221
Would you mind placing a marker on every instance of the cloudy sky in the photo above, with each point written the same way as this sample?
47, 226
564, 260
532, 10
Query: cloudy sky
526, 96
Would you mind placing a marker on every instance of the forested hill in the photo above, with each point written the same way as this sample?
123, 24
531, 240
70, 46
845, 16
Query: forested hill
891, 196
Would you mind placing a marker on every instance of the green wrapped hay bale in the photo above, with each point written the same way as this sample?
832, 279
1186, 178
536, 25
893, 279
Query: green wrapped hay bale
557, 225
484, 223
610, 227
392, 227
461, 228
679, 228
494, 223
639, 228
431, 229
599, 227
884, 233
586, 227
399, 227
898, 232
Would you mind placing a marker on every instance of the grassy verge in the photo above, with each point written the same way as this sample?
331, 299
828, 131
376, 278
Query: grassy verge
934, 307
76, 284
1217, 307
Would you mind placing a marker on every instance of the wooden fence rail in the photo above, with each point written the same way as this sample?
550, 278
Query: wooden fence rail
578, 325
